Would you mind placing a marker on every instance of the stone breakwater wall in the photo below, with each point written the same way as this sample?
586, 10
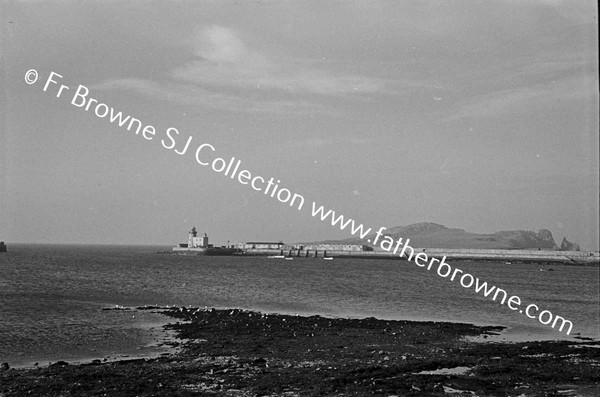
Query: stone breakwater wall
573, 257
567, 257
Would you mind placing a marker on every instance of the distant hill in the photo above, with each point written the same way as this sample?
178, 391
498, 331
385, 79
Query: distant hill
433, 235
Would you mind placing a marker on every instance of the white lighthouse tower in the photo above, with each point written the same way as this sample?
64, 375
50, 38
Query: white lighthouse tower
192, 239
197, 242
200, 245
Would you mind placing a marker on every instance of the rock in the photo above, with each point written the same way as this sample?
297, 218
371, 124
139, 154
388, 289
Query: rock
4, 367
521, 239
259, 362
59, 364
566, 245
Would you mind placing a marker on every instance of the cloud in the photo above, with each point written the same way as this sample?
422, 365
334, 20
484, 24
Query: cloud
219, 44
228, 74
538, 97
537, 86
223, 60
197, 96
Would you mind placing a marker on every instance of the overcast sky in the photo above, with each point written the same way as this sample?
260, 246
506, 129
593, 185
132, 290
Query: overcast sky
481, 115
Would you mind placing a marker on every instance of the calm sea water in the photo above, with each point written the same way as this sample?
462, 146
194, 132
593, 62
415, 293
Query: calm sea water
51, 296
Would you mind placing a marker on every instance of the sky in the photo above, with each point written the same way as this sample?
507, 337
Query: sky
479, 115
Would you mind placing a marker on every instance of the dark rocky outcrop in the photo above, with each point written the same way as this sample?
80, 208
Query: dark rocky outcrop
566, 245
521, 239
235, 352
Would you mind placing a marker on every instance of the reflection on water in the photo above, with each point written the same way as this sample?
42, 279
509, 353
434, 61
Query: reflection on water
51, 296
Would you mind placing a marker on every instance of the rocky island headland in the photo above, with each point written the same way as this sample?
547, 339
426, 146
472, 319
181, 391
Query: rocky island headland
439, 240
434, 235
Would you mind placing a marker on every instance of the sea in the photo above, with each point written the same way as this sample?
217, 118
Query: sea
52, 296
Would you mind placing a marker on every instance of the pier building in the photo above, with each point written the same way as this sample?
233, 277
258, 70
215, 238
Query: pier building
261, 245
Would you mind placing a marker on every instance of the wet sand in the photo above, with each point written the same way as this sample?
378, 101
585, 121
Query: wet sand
244, 353
143, 336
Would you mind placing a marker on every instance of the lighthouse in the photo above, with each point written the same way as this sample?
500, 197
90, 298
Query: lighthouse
197, 242
199, 245
191, 237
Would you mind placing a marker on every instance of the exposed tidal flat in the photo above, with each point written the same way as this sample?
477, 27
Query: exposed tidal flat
246, 353
52, 297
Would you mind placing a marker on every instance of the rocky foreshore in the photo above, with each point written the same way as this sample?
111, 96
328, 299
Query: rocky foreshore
243, 353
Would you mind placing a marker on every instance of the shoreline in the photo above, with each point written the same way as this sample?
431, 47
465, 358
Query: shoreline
241, 352
164, 341
146, 337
